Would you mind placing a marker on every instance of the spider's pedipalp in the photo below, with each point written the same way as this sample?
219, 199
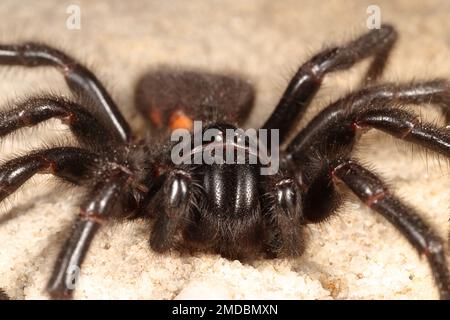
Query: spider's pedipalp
173, 209
283, 216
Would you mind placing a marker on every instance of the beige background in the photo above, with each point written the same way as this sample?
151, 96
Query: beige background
356, 255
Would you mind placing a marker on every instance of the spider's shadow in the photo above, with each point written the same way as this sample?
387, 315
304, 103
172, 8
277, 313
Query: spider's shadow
18, 210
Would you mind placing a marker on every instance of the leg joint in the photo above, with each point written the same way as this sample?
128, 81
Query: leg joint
92, 216
433, 246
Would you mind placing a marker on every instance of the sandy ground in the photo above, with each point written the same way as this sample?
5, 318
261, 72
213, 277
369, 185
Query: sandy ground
355, 255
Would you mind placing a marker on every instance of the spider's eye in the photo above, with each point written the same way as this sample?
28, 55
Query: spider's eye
217, 132
222, 127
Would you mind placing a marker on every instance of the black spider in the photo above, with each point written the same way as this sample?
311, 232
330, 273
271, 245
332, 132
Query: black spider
230, 209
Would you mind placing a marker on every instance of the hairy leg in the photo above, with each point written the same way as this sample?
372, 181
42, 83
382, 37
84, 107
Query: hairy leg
33, 111
333, 133
307, 80
335, 129
375, 194
77, 76
71, 164
96, 209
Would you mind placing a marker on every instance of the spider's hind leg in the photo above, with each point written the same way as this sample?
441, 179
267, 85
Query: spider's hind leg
171, 99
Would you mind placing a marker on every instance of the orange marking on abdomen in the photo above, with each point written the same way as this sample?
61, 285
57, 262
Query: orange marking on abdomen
156, 118
179, 120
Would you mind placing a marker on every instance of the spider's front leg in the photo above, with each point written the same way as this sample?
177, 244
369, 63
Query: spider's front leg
374, 193
306, 82
78, 78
